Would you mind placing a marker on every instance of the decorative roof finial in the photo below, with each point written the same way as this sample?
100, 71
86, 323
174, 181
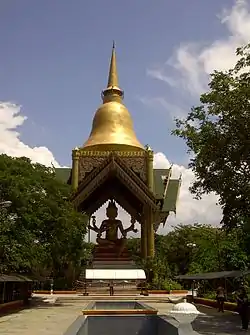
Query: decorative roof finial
112, 92
113, 75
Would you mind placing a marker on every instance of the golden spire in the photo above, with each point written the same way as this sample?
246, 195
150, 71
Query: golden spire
112, 127
113, 76
112, 92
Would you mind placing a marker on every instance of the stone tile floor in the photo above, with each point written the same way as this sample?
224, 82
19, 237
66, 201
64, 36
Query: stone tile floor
43, 319
53, 319
214, 323
210, 322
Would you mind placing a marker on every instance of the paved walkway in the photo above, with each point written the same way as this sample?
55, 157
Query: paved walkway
53, 319
45, 318
215, 323
210, 322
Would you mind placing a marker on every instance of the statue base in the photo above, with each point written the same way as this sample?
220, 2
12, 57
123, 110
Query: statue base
106, 258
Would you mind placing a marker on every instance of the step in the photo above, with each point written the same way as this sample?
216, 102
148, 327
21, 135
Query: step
136, 296
106, 254
113, 267
111, 253
105, 247
112, 261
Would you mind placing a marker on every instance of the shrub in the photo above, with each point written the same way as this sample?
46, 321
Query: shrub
170, 285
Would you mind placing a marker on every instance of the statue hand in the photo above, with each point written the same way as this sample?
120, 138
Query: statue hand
132, 226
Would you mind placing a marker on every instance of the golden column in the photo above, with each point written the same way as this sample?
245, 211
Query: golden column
150, 168
75, 168
150, 233
149, 217
144, 246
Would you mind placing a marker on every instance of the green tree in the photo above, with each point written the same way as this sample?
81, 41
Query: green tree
217, 133
201, 248
193, 248
134, 247
40, 232
157, 268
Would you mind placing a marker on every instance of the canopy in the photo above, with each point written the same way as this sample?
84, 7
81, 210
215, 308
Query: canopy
214, 275
14, 278
114, 274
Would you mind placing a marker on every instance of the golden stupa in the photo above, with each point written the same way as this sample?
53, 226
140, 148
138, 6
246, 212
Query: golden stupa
112, 127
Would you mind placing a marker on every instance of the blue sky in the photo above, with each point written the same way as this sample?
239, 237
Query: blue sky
55, 56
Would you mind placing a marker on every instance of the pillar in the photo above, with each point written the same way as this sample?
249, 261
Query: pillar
150, 169
150, 233
144, 239
75, 168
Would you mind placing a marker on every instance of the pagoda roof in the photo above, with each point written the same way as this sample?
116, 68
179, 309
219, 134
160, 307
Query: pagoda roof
166, 190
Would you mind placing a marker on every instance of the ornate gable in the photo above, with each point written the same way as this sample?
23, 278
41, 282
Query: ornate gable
90, 160
113, 171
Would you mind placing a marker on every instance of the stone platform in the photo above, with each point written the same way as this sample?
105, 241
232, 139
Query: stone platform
106, 258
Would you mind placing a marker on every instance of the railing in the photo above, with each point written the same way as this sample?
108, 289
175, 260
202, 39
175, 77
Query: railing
78, 286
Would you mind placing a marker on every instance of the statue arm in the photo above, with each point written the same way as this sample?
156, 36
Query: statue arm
102, 229
94, 226
131, 227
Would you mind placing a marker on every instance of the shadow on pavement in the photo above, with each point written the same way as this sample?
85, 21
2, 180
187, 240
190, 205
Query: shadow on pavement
36, 302
39, 302
217, 323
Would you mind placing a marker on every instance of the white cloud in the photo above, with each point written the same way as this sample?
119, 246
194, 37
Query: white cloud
193, 62
174, 111
188, 211
10, 143
157, 74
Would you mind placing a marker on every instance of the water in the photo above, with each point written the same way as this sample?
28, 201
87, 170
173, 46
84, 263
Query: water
123, 325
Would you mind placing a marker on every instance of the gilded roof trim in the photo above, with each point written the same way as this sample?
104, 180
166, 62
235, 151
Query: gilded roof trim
101, 174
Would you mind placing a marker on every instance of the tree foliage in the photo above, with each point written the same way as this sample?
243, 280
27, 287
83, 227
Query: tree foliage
40, 232
217, 132
201, 248
192, 249
157, 268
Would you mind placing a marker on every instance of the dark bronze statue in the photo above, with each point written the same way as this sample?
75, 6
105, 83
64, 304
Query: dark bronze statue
111, 228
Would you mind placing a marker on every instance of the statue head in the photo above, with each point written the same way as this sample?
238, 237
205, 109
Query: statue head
111, 210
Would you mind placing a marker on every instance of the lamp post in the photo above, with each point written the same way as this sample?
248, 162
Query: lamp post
51, 286
218, 246
192, 246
